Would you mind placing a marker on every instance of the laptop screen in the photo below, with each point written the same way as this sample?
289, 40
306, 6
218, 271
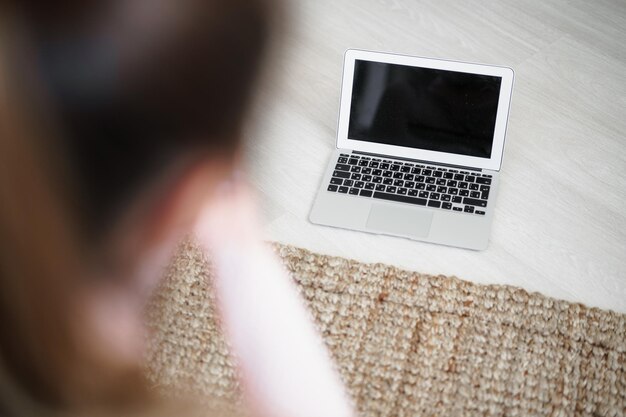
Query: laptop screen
424, 108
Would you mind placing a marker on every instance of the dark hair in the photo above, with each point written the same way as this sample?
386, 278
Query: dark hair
123, 106
129, 103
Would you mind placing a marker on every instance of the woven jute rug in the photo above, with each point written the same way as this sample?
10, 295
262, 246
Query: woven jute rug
409, 344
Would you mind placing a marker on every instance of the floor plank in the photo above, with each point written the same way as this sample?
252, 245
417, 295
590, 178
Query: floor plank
560, 223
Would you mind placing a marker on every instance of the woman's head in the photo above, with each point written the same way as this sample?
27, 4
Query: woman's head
137, 83
118, 119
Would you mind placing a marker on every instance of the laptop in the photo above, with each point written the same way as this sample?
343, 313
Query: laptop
419, 149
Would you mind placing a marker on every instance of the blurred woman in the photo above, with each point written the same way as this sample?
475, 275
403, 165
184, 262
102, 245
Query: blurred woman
120, 127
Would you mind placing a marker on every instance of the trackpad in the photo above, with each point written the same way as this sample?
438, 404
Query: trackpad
399, 220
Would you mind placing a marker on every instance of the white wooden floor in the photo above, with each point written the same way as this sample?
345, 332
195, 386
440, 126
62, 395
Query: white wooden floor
560, 222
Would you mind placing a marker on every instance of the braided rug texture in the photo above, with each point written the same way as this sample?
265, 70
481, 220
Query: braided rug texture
408, 344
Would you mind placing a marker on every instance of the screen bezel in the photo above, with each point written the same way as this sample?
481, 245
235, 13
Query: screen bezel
504, 102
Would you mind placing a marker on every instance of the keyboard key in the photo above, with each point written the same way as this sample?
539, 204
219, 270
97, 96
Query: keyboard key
470, 178
453, 191
342, 160
363, 163
435, 204
336, 181
332, 188
435, 196
402, 191
354, 191
344, 155
420, 186
409, 184
353, 161
457, 200
374, 164
484, 195
377, 172
369, 186
474, 194
442, 190
359, 184
427, 172
377, 180
355, 177
409, 177
416, 171
459, 177
400, 198
398, 183
395, 167
482, 180
446, 197
446, 206
431, 187
405, 168
438, 174
474, 202
412, 193
348, 183
384, 166
365, 193
468, 209
424, 194
430, 180
398, 175
464, 193
341, 174
342, 167
387, 174
463, 185
482, 213
366, 171
343, 190
388, 181
355, 169
473, 187
441, 181
367, 178
448, 175
421, 178
391, 189
452, 183
457, 209
380, 187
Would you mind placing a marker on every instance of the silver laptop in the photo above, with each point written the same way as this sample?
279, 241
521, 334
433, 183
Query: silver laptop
419, 149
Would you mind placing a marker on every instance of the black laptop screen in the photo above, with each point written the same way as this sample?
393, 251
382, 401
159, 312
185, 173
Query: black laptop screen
430, 109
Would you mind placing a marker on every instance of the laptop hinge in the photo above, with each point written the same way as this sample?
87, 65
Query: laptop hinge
418, 161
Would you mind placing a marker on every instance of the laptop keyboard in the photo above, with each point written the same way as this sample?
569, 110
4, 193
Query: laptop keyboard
413, 183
